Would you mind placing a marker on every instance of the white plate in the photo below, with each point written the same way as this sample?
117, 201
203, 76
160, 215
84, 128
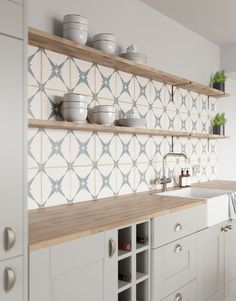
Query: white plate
132, 122
139, 58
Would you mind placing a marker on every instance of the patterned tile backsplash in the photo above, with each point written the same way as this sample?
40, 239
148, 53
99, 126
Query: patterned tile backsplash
73, 166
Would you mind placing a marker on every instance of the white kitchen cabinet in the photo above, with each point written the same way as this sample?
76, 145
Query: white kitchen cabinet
12, 147
11, 18
186, 293
173, 266
210, 285
70, 271
12, 279
230, 262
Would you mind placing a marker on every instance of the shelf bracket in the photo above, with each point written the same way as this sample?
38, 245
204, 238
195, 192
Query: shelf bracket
172, 93
172, 144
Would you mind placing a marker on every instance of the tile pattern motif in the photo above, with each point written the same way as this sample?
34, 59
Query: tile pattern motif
73, 166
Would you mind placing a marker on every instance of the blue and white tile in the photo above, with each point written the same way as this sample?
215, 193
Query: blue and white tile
158, 148
34, 147
142, 149
55, 186
173, 122
157, 118
158, 94
125, 87
145, 113
34, 188
155, 174
212, 155
55, 71
82, 77
142, 177
185, 122
105, 179
105, 82
203, 105
181, 145
142, 91
183, 100
193, 123
193, 103
34, 103
125, 179
82, 183
105, 153
82, 148
212, 170
212, 106
52, 103
195, 149
34, 66
123, 107
125, 148
203, 125
56, 148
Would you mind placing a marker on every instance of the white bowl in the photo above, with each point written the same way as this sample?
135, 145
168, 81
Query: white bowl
75, 114
75, 18
105, 46
71, 25
137, 57
104, 109
75, 104
76, 35
75, 97
107, 118
104, 37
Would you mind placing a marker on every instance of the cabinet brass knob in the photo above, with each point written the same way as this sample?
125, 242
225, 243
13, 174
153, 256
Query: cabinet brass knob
9, 238
178, 297
9, 279
112, 247
178, 248
224, 229
178, 227
229, 227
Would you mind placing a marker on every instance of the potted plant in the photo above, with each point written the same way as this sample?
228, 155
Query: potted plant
218, 124
218, 80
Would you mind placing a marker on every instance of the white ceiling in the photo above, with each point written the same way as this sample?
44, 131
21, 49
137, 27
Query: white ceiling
213, 19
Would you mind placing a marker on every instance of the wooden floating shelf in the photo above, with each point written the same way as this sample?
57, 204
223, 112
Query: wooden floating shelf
57, 44
49, 124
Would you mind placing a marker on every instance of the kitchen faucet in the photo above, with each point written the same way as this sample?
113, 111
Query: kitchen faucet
164, 180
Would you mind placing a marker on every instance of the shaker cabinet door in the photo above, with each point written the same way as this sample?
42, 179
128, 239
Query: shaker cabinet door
211, 264
230, 263
12, 147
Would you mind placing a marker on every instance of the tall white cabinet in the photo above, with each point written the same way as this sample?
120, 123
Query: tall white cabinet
12, 152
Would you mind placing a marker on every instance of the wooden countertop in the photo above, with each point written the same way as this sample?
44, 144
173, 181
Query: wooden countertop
58, 224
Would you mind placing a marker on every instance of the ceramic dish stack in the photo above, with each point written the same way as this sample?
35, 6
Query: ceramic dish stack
75, 28
132, 119
105, 42
75, 108
133, 55
104, 114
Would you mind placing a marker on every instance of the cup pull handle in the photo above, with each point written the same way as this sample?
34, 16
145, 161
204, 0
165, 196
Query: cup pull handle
178, 248
9, 279
9, 238
178, 227
112, 247
178, 297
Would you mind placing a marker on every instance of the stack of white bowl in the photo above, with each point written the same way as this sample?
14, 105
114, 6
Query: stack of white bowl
75, 108
75, 28
104, 114
105, 42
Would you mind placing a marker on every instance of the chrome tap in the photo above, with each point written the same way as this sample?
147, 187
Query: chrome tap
164, 180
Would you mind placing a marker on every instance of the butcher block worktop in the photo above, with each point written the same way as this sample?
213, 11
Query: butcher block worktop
58, 224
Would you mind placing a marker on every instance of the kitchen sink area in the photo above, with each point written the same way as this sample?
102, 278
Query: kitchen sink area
217, 202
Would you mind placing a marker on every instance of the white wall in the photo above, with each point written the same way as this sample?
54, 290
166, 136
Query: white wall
170, 46
227, 148
227, 55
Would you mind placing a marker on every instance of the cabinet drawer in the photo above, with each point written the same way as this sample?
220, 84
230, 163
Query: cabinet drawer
16, 292
71, 255
186, 293
173, 266
11, 18
171, 227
